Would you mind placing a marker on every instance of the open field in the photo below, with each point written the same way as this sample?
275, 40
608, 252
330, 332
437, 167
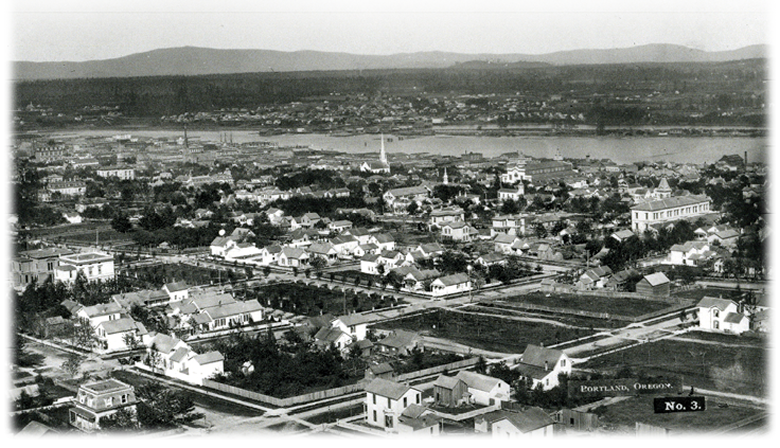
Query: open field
626, 413
504, 309
625, 306
485, 332
733, 369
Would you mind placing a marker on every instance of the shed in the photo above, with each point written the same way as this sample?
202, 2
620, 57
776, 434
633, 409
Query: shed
654, 285
576, 420
449, 391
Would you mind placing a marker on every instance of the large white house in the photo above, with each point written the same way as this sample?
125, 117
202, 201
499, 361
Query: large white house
543, 365
386, 401
668, 209
94, 265
722, 315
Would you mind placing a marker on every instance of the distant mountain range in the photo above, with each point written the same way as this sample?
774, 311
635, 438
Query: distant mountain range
191, 61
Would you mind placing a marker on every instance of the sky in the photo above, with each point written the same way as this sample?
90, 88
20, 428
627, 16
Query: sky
78, 30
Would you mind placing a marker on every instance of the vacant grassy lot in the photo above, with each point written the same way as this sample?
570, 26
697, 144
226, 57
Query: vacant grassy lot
753, 341
734, 369
614, 305
697, 294
485, 332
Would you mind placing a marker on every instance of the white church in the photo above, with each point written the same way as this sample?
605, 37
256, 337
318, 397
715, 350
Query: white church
377, 167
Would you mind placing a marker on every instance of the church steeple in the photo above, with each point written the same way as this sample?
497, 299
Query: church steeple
382, 155
445, 179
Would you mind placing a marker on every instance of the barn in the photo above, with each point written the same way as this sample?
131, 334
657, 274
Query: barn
654, 285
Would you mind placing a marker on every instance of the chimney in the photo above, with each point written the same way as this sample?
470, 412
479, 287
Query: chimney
546, 367
746, 158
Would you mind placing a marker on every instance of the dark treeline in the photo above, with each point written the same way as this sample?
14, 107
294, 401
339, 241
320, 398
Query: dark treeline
157, 96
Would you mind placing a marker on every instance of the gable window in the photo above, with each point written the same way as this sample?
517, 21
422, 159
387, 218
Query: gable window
124, 398
563, 363
374, 397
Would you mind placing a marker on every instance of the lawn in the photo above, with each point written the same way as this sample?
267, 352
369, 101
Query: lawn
753, 341
698, 293
740, 370
626, 413
624, 306
160, 274
485, 332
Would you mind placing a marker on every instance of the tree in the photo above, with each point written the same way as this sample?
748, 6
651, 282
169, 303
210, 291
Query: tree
13, 343
123, 420
81, 334
412, 208
72, 364
318, 263
161, 407
121, 223
481, 365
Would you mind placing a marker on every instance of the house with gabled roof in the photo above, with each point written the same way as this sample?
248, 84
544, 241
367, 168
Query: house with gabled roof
622, 235
722, 315
101, 312
143, 298
363, 236
354, 325
326, 251
509, 423
292, 256
415, 279
503, 243
430, 249
332, 336
176, 291
451, 284
270, 255
386, 401
340, 226
369, 264
382, 370
400, 343
365, 249
36, 429
458, 231
113, 336
542, 365
594, 278
417, 419
385, 241
344, 244
220, 245
492, 258
390, 259
244, 252
484, 389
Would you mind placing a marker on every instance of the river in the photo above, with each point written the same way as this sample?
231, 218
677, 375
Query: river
619, 149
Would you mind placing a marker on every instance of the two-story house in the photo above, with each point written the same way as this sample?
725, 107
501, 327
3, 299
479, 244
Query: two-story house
95, 266
100, 399
458, 231
722, 315
386, 401
543, 365
36, 265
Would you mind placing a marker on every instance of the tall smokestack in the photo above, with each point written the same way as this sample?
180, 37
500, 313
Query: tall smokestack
745, 158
